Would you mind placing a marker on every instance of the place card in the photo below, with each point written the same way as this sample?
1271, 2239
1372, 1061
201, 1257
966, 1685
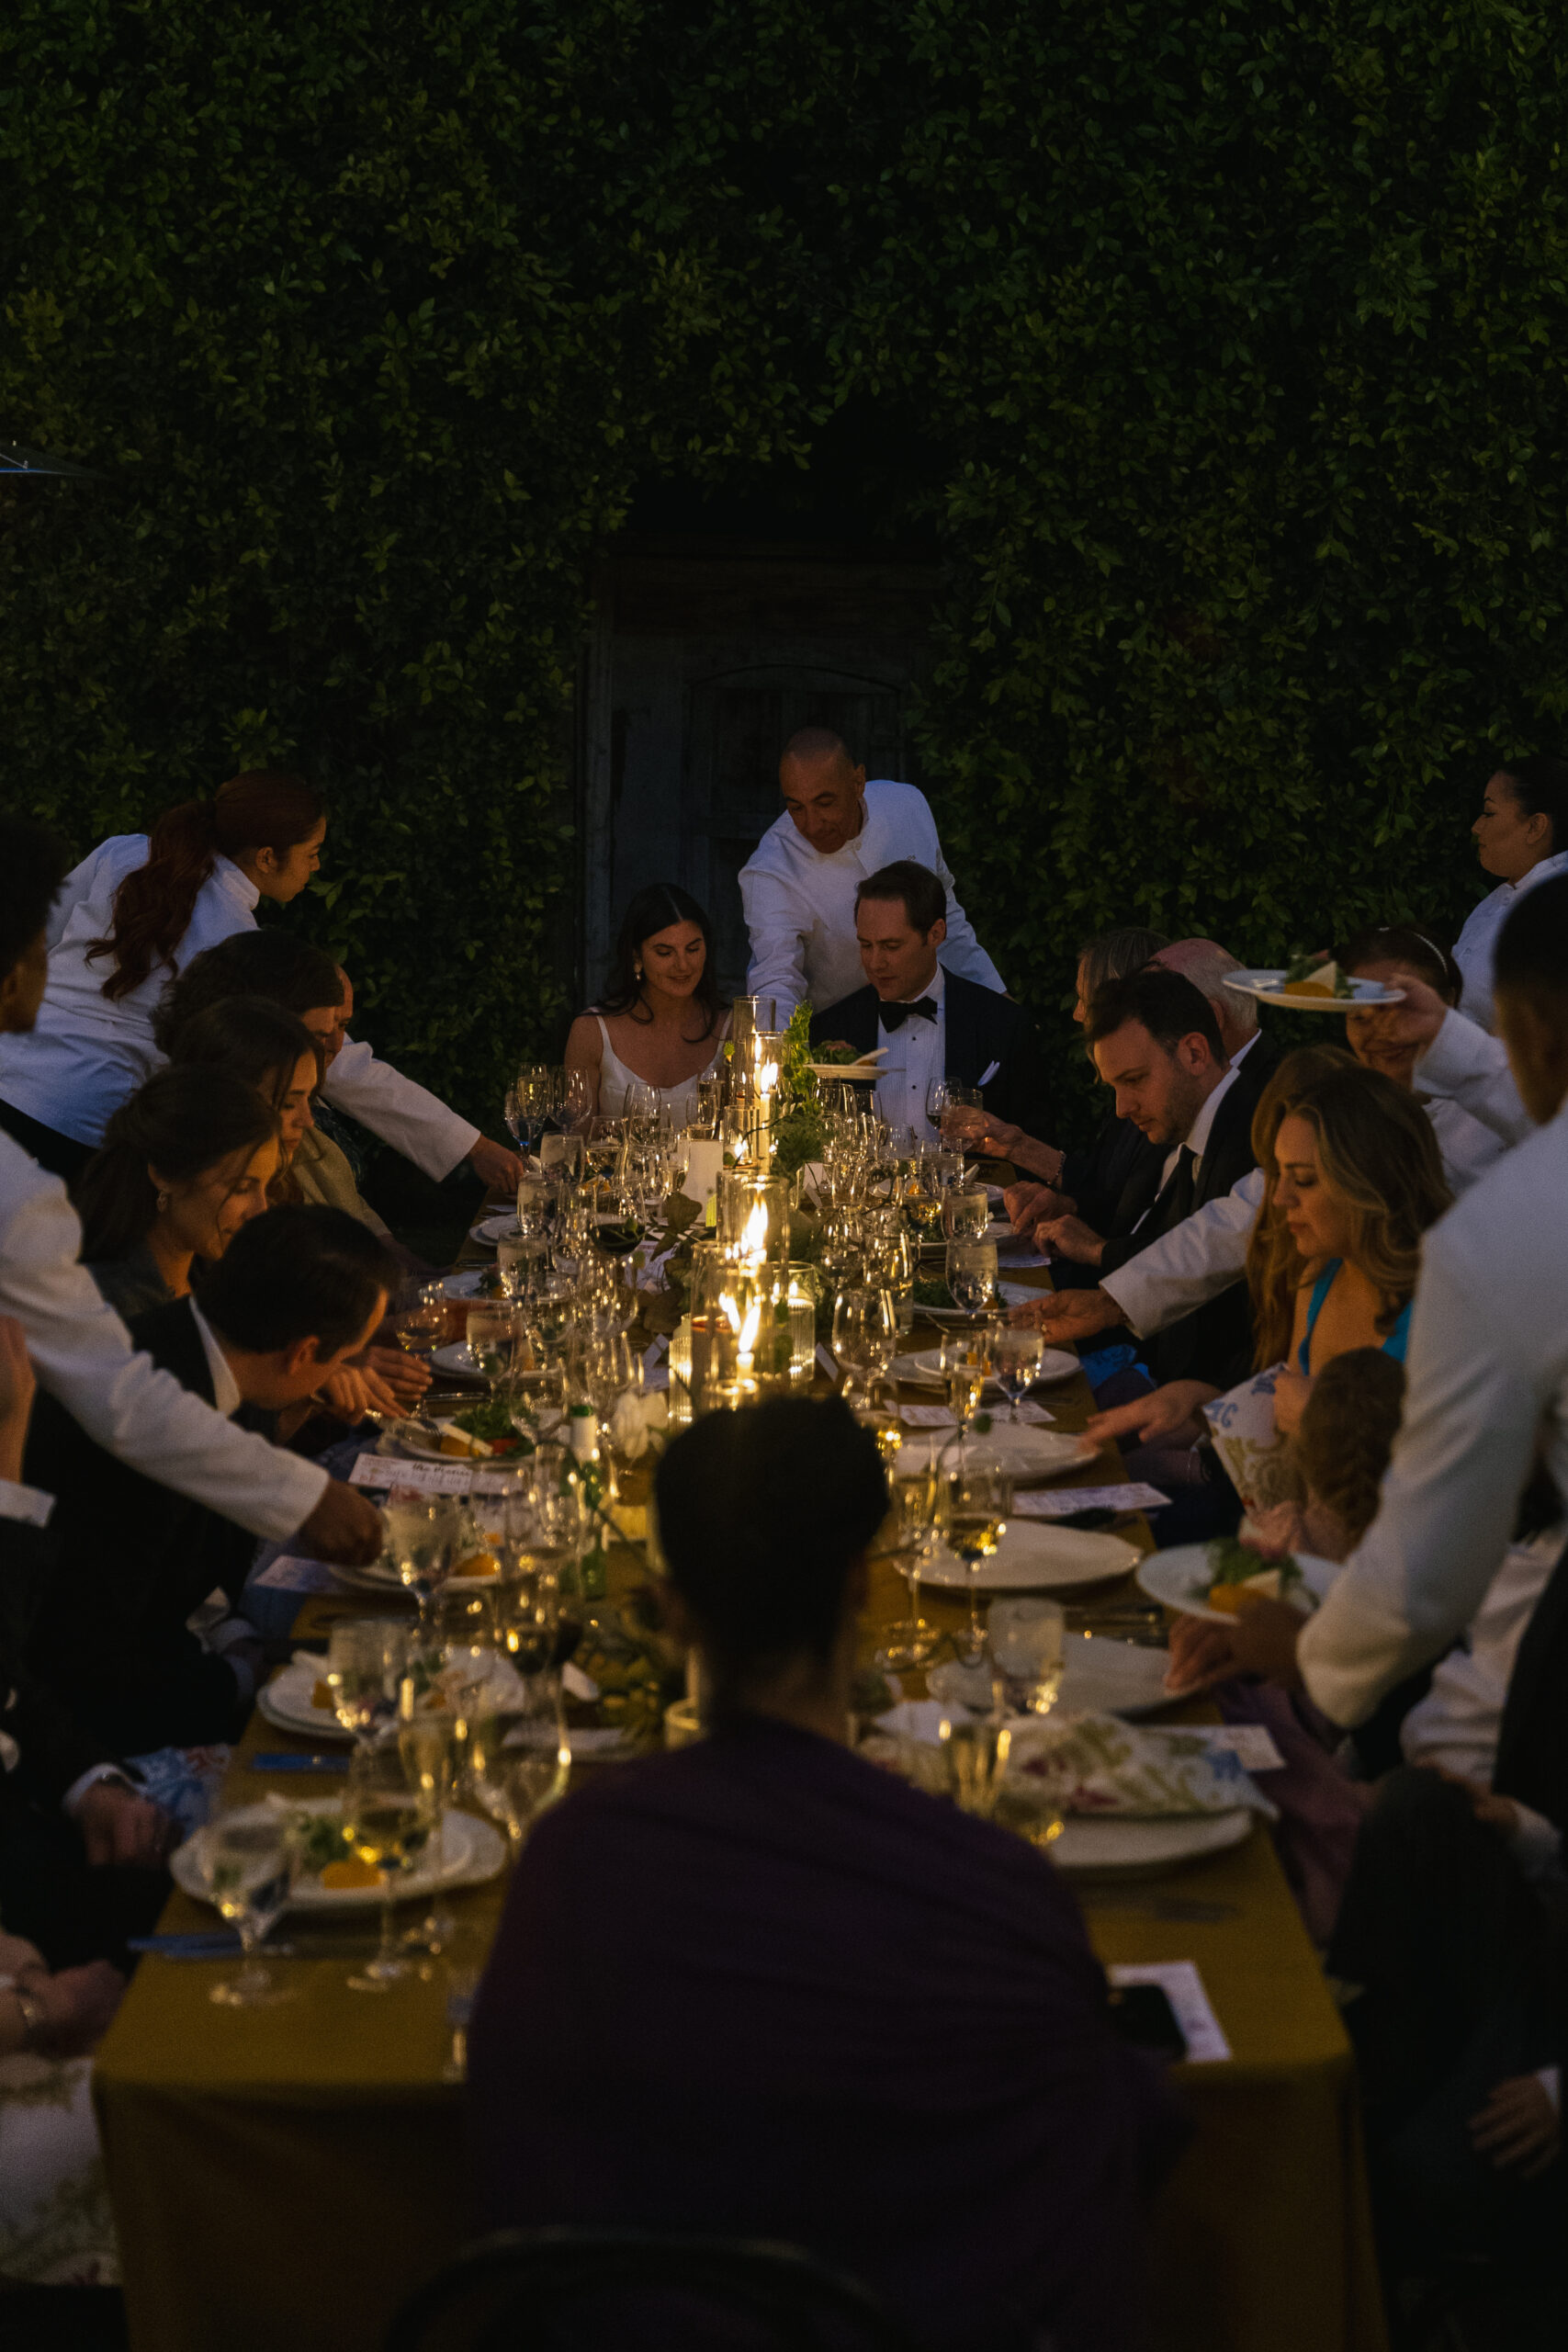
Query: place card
1061, 1502
289, 1573
1183, 1988
425, 1477
1033, 1416
926, 1416
1252, 1745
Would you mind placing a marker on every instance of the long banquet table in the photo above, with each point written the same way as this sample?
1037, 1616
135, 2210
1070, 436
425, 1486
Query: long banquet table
286, 2176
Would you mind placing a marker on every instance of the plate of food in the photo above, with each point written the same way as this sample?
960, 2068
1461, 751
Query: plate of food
1033, 1556
474, 1282
482, 1432
1100, 1676
1056, 1364
464, 1851
1307, 986
1106, 1848
1217, 1580
299, 1699
491, 1229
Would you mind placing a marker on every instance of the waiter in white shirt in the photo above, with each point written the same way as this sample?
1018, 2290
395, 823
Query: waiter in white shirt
798, 885
1524, 814
79, 1347
1487, 1374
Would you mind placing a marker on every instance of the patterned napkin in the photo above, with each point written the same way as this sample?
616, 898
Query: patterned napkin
1092, 1763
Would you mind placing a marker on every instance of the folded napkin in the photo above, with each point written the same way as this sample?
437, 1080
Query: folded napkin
1089, 1763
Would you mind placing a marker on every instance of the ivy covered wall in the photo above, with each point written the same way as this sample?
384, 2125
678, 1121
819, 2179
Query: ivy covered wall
1233, 337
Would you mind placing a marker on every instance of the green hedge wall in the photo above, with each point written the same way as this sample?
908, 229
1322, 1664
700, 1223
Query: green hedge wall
1235, 333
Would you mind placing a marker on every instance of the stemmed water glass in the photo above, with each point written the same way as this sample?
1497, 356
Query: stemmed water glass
520, 1761
965, 1213
954, 1110
1027, 1639
529, 1104
366, 1658
965, 1366
1015, 1360
972, 1275
493, 1332
979, 1500
388, 1819
420, 1318
865, 1333
423, 1534
920, 1504
248, 1863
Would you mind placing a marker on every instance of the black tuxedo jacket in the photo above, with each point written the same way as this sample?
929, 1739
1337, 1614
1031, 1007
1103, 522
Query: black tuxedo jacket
133, 1560
982, 1027
1215, 1343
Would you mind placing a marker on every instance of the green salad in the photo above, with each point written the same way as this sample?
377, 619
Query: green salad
1308, 966
321, 1838
493, 1421
931, 1290
1232, 1562
838, 1054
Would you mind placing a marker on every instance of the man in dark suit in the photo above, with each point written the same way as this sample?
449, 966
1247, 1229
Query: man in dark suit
932, 1023
297, 1293
1156, 1043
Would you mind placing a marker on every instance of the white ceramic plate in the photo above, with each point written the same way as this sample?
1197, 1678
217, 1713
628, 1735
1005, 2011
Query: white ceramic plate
1263, 983
1036, 1556
376, 1577
287, 1702
466, 1852
411, 1438
491, 1229
466, 1283
455, 1357
1024, 1453
1102, 1847
865, 1068
1110, 1678
1180, 1578
1056, 1364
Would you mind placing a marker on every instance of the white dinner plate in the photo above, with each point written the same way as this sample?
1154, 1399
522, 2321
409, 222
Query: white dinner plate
867, 1065
287, 1700
1101, 1846
466, 1852
491, 1229
1024, 1453
1099, 1677
455, 1357
466, 1283
1180, 1578
1263, 983
377, 1577
1035, 1555
925, 1366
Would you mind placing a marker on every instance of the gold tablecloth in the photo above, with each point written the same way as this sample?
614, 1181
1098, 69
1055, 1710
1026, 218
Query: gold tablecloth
285, 2176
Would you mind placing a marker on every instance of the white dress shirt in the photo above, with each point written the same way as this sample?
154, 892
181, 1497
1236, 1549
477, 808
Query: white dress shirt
88, 1052
800, 906
917, 1051
1470, 1068
1477, 943
82, 1353
1487, 1380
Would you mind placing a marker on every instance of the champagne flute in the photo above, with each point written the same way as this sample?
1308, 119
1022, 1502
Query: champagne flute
979, 1500
386, 1820
248, 1861
427, 1742
1015, 1360
365, 1661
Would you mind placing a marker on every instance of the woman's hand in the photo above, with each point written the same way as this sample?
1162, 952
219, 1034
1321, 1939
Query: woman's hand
1292, 1390
1165, 1414
1518, 2126
1007, 1142
499, 1171
17, 1385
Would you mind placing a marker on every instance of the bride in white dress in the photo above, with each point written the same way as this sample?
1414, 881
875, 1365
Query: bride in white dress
660, 1022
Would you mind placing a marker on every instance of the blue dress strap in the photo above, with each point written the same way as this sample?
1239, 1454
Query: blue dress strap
1320, 1291
1398, 1339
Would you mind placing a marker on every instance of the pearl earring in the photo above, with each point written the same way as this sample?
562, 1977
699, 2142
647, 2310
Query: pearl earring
638, 969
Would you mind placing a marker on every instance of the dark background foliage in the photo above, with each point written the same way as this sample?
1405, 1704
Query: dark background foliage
1220, 347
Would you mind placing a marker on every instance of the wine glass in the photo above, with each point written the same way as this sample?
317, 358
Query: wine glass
387, 1819
972, 1275
561, 1155
493, 1340
428, 1741
923, 1197
367, 1657
1026, 1639
965, 1213
422, 1533
520, 1260
248, 1863
580, 1095
520, 1760
965, 1366
919, 1506
865, 1332
527, 1106
420, 1318
979, 1500
1015, 1360
710, 1107
953, 1110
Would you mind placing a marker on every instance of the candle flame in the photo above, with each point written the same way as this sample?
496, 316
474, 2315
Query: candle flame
754, 1240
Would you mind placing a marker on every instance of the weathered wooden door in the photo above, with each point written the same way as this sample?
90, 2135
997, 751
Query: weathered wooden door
705, 660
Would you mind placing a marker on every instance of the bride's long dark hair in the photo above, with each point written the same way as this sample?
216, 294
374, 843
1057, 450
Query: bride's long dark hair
659, 907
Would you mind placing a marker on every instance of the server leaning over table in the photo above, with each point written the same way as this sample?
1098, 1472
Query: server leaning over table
132, 916
79, 1348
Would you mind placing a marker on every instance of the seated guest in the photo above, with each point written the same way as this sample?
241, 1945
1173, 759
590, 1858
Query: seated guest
182, 1165
1396, 957
1087, 1182
323, 1168
1340, 1450
798, 885
306, 982
820, 1977
296, 1294
934, 1023
661, 1024
273, 1052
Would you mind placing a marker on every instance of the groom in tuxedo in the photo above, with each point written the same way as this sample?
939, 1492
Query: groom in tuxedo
931, 1022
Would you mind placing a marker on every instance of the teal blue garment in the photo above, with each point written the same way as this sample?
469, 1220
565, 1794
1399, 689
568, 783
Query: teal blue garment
1395, 1345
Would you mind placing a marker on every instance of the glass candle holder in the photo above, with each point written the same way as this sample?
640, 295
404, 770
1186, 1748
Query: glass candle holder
752, 1223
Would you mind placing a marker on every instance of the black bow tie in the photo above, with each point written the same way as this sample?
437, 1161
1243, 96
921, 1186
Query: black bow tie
894, 1015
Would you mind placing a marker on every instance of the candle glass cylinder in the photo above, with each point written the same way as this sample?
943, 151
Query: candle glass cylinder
752, 1226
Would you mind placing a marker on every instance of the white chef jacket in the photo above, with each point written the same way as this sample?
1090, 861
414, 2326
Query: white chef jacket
1470, 1068
83, 1354
88, 1053
1477, 943
1487, 1376
917, 1051
800, 906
